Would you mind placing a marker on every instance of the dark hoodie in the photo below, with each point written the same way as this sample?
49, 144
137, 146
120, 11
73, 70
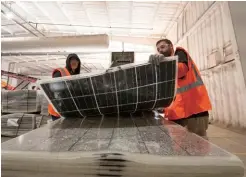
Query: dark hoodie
77, 71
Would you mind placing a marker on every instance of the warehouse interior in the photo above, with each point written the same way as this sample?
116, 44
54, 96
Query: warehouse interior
38, 36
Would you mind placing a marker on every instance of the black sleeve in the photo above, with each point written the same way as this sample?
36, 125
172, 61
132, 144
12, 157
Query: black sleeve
182, 57
56, 74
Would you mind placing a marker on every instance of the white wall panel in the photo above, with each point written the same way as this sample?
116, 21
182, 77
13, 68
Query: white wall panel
206, 32
238, 14
227, 94
172, 35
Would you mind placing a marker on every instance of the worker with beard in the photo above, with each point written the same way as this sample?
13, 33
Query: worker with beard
73, 65
191, 104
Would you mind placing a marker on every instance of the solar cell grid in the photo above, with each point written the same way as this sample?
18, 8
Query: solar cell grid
129, 89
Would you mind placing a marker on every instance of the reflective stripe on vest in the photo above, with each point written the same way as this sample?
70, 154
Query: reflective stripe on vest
197, 83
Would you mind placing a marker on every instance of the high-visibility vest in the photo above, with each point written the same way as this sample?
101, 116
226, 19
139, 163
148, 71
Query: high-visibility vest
191, 96
64, 72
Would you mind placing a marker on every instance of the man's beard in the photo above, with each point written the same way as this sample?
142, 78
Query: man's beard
166, 54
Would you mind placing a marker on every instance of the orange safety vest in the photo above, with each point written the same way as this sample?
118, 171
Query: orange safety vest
64, 72
191, 96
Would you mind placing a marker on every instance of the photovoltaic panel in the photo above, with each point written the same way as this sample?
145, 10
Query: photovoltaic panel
127, 89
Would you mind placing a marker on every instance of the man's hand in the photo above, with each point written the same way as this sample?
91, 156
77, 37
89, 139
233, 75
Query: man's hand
113, 69
156, 59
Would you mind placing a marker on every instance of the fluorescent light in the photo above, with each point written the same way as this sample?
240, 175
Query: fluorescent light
9, 15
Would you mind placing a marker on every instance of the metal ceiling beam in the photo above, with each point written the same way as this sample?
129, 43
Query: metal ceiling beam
7, 30
65, 14
51, 66
135, 40
44, 68
26, 10
40, 65
19, 16
90, 26
63, 53
130, 15
86, 13
28, 65
45, 13
108, 14
156, 11
174, 19
19, 58
21, 25
12, 24
31, 68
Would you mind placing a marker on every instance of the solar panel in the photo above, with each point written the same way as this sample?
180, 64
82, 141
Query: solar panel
128, 89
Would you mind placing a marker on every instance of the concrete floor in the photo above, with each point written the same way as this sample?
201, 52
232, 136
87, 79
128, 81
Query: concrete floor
231, 140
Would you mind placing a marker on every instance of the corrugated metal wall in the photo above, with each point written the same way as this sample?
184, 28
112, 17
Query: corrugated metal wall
205, 30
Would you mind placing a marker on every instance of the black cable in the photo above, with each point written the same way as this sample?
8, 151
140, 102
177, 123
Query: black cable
25, 85
19, 125
7, 89
19, 84
40, 123
27, 100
